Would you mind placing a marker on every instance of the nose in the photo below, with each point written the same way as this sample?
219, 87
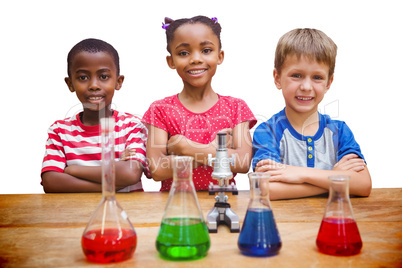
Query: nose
94, 85
306, 84
196, 58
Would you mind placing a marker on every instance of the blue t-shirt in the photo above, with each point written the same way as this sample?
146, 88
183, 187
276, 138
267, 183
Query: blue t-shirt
277, 140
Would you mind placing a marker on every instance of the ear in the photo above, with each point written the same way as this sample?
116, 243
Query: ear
221, 56
170, 62
119, 82
69, 84
329, 83
277, 79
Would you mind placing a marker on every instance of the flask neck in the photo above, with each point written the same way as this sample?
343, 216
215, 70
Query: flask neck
339, 189
108, 164
182, 175
182, 168
182, 201
259, 191
184, 185
338, 201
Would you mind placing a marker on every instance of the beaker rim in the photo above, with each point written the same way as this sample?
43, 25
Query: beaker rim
182, 157
339, 178
254, 175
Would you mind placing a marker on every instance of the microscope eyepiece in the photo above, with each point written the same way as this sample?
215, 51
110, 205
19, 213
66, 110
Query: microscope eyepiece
222, 140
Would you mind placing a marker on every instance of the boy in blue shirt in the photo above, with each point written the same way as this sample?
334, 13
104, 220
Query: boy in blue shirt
298, 146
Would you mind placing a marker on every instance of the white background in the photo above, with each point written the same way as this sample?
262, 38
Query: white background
37, 35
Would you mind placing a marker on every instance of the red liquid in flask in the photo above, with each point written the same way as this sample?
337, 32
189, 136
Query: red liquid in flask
113, 245
339, 236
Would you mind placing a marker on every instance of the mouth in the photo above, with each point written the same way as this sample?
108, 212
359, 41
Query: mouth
197, 72
304, 98
95, 99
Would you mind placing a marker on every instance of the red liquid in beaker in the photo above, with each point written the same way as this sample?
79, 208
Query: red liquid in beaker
339, 236
113, 245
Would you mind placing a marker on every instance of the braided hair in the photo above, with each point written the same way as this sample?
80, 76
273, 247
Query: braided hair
171, 26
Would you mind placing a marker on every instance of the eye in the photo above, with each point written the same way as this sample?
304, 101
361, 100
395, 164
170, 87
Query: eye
103, 76
83, 77
207, 51
183, 53
318, 77
296, 75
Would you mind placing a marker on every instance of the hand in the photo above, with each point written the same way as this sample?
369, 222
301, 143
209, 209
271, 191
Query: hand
127, 154
350, 162
67, 170
280, 172
72, 170
175, 144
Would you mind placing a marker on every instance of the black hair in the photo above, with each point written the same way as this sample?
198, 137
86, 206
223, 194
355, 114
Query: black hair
174, 24
93, 45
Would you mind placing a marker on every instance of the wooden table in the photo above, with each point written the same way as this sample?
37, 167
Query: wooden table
44, 230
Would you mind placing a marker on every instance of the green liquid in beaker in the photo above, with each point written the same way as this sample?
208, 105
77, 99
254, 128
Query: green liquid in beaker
183, 239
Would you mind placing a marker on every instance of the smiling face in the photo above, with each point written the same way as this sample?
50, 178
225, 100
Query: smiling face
195, 54
304, 83
93, 77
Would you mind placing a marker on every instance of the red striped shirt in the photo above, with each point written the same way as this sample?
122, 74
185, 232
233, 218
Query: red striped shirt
72, 143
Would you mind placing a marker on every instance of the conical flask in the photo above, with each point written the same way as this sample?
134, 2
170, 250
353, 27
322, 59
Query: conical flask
183, 234
338, 234
259, 235
109, 235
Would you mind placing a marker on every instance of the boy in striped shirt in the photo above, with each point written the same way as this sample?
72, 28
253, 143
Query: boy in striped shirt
72, 161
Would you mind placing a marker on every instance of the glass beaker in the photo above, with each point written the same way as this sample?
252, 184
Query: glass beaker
109, 235
338, 234
183, 234
259, 235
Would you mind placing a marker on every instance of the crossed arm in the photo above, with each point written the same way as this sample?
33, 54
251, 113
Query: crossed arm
160, 150
295, 182
89, 179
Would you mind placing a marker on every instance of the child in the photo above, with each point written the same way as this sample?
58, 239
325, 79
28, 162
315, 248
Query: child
187, 123
298, 146
73, 152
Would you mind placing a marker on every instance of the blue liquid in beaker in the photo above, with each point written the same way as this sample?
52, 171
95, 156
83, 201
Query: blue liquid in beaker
259, 235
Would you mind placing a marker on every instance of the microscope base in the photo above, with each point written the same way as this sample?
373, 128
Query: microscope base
225, 215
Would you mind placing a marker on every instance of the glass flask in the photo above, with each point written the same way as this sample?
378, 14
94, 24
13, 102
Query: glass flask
183, 234
338, 234
259, 235
109, 235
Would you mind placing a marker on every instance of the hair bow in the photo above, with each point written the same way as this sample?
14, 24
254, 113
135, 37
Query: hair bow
167, 23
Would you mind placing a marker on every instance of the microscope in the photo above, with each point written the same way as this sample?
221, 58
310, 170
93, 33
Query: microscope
221, 212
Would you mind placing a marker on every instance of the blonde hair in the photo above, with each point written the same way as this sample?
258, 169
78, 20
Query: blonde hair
311, 43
